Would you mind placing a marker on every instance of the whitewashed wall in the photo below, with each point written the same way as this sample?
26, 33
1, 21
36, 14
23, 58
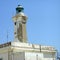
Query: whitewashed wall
18, 56
27, 56
4, 56
39, 56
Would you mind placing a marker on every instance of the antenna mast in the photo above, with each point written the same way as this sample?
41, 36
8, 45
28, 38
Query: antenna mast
7, 36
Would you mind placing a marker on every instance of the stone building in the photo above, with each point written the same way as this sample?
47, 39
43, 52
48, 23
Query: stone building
19, 49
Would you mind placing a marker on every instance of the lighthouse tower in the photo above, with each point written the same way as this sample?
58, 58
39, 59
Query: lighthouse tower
19, 49
20, 25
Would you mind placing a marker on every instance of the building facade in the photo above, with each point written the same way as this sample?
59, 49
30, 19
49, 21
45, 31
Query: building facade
19, 49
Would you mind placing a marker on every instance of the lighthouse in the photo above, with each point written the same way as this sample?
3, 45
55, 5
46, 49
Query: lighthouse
19, 49
20, 20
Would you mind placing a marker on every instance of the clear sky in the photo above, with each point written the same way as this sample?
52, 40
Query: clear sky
43, 24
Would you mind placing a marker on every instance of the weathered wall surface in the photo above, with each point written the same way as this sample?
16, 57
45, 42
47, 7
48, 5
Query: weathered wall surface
27, 56
39, 56
24, 51
18, 56
4, 56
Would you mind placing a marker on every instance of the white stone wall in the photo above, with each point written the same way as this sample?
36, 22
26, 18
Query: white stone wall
12, 56
25, 51
4, 56
27, 56
39, 56
18, 56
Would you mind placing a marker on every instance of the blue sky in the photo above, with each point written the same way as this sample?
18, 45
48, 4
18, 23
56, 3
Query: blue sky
43, 24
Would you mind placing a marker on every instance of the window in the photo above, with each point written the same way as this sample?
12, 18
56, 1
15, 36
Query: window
1, 59
19, 10
15, 23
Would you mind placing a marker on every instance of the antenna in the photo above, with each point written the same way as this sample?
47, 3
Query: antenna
7, 36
